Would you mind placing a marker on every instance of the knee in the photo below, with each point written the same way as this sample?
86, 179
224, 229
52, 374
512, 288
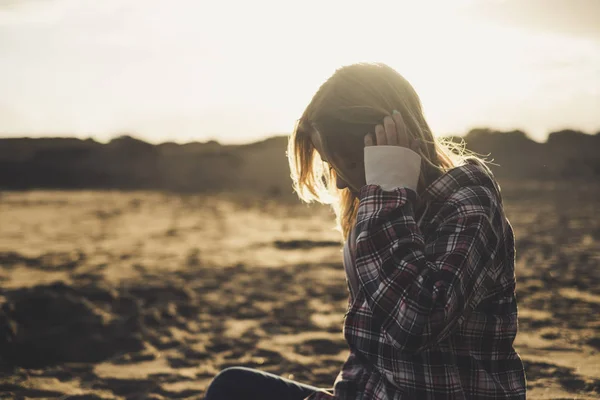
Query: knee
223, 381
230, 374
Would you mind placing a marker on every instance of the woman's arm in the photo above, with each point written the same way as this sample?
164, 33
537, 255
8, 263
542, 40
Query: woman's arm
416, 299
417, 292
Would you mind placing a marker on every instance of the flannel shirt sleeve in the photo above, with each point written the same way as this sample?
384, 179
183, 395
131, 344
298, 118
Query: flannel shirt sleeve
415, 296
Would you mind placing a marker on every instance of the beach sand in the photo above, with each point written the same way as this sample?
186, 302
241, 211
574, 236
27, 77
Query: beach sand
144, 295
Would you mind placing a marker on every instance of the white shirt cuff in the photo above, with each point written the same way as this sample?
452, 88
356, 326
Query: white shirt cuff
392, 167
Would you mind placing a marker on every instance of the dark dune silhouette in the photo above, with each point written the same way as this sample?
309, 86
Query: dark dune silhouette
130, 163
566, 154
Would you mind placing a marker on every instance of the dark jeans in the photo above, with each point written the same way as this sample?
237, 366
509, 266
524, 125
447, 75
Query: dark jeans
239, 383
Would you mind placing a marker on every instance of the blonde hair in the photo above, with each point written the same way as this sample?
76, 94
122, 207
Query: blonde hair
347, 107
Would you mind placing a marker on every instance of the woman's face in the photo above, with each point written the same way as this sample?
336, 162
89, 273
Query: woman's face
350, 172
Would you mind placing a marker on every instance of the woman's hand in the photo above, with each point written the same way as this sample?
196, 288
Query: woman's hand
392, 156
392, 132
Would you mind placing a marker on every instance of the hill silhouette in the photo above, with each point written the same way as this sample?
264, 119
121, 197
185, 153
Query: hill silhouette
129, 163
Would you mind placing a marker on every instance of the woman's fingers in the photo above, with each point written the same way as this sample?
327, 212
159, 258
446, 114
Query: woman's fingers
390, 131
380, 135
401, 131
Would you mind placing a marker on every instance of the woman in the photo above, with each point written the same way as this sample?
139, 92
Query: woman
429, 253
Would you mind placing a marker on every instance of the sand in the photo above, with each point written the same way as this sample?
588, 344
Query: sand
144, 295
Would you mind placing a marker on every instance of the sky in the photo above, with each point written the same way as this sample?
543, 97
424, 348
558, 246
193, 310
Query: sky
239, 71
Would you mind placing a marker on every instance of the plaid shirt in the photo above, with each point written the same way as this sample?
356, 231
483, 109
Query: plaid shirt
435, 315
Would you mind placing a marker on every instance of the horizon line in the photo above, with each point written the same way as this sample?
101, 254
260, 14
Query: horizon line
139, 136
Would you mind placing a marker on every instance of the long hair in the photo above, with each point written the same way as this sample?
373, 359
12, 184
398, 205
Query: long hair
347, 107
